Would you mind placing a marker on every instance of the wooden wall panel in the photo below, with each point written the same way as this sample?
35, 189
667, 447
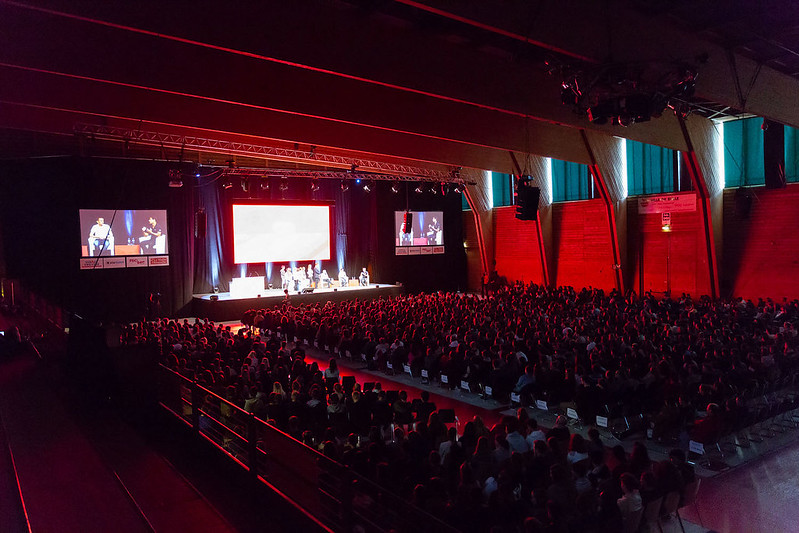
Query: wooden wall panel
516, 247
761, 247
582, 254
473, 264
661, 261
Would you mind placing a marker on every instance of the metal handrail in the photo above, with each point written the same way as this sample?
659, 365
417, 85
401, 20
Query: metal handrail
342, 486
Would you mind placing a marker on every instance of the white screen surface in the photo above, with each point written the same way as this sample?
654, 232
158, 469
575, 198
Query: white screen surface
280, 233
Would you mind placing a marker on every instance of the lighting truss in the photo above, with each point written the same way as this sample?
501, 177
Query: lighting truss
390, 170
334, 175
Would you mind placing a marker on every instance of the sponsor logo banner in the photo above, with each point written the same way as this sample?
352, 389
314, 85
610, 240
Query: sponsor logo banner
114, 262
90, 263
136, 261
667, 203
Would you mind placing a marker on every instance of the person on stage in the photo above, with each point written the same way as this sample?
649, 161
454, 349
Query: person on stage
324, 279
363, 279
101, 238
283, 280
289, 278
343, 280
433, 232
309, 273
317, 275
151, 232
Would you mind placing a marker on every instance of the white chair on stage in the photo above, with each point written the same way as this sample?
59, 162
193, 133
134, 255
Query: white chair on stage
109, 246
159, 245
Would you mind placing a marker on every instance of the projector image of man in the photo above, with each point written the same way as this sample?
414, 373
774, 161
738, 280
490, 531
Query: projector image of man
101, 238
149, 233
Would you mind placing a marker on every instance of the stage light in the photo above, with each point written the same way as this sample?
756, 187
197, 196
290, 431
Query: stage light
367, 187
344, 186
456, 189
265, 185
245, 184
284, 184
358, 181
314, 185
666, 227
227, 184
418, 190
395, 188
433, 190
175, 181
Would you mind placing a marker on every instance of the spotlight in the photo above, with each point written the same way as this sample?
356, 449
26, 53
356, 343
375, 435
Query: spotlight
395, 188
358, 181
245, 184
284, 184
314, 185
175, 181
344, 186
367, 186
227, 184
418, 190
433, 190
265, 185
457, 189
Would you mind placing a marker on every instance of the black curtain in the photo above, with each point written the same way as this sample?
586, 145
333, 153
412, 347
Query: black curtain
39, 212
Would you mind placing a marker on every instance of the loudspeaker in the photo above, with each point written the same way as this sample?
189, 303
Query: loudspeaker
774, 154
307, 290
743, 203
200, 222
527, 198
407, 221
214, 297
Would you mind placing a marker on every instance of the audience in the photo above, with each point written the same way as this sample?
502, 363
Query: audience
666, 360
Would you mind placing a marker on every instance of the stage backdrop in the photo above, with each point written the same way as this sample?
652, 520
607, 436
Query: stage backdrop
362, 233
40, 199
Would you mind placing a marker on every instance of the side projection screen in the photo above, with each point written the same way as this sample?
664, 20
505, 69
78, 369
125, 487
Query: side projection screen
123, 232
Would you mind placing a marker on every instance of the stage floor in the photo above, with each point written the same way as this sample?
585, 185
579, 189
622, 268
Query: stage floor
225, 307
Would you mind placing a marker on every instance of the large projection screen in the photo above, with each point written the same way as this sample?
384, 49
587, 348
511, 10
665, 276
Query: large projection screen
277, 233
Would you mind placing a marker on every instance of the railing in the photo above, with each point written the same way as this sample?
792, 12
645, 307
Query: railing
331, 494
14, 293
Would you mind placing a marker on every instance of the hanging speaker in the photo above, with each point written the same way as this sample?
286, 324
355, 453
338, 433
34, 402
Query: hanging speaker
407, 222
199, 223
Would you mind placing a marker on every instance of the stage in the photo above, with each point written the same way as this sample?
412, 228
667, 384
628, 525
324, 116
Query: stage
225, 307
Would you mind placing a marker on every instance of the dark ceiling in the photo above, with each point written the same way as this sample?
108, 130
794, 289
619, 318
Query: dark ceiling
434, 84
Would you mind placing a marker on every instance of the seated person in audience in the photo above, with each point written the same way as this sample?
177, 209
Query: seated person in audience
708, 430
630, 502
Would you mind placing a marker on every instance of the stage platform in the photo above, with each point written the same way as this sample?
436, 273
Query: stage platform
225, 307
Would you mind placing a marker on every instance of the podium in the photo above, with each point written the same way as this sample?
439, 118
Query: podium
250, 287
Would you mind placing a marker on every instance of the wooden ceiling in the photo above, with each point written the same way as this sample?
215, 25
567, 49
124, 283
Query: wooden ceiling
436, 83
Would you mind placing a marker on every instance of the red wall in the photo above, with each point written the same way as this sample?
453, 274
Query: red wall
659, 260
581, 248
516, 247
761, 249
